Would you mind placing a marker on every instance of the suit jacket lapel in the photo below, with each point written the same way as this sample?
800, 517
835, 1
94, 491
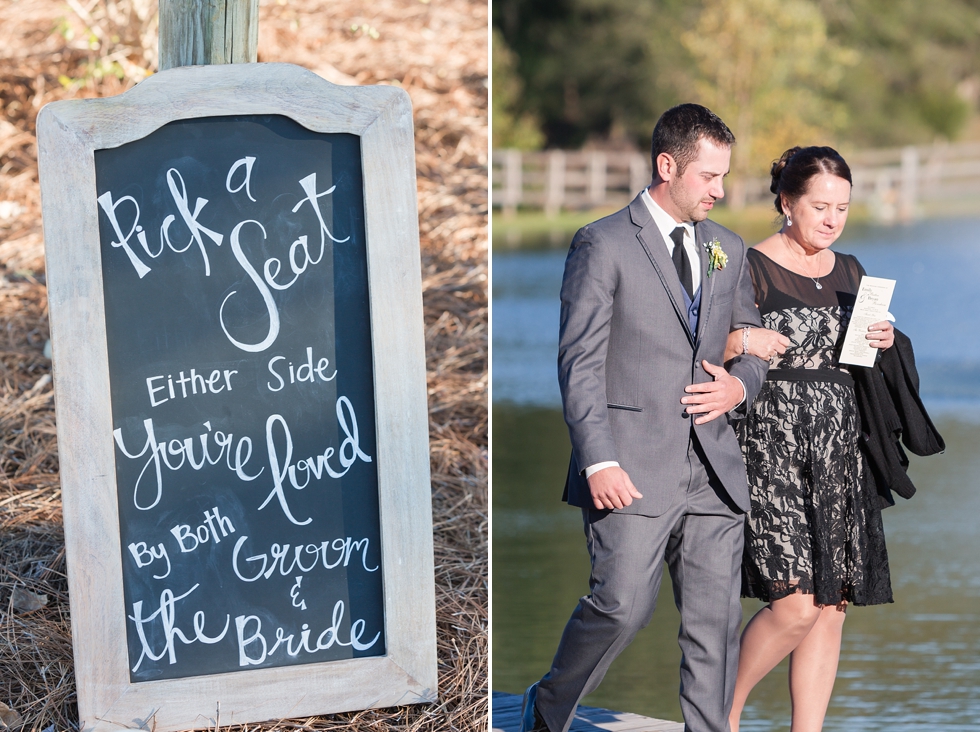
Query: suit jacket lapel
707, 283
653, 244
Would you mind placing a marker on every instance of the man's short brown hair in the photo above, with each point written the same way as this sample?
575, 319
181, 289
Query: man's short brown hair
681, 128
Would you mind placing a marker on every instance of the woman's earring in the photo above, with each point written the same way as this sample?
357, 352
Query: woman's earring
789, 221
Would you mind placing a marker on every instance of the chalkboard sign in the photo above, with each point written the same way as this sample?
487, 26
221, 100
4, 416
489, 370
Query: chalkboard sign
236, 323
242, 396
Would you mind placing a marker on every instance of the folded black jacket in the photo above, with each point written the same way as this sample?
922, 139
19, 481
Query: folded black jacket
891, 415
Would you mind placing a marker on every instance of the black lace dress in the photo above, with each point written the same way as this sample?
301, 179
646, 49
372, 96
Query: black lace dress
813, 528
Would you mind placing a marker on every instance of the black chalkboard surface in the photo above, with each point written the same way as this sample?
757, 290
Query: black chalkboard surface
240, 367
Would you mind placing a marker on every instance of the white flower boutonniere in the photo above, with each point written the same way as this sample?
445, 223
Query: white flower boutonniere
717, 259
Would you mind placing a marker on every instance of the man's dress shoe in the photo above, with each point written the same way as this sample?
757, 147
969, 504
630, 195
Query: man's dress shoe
530, 719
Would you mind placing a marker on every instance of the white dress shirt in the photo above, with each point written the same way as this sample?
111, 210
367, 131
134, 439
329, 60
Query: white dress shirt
666, 224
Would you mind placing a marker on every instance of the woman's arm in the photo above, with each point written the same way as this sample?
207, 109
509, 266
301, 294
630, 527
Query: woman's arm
762, 343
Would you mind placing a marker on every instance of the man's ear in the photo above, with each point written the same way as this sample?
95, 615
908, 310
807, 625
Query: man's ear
666, 167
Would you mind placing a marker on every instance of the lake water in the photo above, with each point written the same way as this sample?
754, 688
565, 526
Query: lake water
911, 665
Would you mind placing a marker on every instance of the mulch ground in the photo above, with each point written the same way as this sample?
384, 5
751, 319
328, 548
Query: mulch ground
437, 51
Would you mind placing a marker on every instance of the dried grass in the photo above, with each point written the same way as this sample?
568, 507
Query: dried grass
436, 51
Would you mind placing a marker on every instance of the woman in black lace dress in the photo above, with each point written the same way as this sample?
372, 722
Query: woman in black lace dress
813, 541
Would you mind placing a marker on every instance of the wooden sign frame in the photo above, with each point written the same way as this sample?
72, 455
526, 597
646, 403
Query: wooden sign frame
69, 133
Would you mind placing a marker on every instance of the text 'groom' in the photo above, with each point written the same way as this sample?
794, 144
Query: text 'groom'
648, 299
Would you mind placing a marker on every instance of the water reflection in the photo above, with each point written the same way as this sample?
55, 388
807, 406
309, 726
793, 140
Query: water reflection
937, 265
912, 665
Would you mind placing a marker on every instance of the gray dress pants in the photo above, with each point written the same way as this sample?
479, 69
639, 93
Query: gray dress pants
700, 537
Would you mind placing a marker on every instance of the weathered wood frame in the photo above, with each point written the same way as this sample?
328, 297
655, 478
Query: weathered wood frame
69, 133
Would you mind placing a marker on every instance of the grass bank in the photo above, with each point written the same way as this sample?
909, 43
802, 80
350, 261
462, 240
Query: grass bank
533, 230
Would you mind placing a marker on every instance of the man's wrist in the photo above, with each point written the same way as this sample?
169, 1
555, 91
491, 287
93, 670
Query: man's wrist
593, 469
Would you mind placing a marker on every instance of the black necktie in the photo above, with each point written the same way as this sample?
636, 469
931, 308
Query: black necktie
682, 263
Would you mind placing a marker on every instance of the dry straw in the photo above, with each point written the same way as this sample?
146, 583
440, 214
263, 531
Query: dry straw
438, 53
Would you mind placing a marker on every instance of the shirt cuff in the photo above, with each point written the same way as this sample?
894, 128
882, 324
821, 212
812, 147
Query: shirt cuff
742, 400
592, 469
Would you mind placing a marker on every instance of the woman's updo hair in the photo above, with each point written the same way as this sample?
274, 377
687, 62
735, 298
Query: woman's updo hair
791, 174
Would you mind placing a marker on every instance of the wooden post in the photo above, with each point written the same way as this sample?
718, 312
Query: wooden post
597, 178
910, 175
883, 198
202, 32
639, 173
513, 165
555, 191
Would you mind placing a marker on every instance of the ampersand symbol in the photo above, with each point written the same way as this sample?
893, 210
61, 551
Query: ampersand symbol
294, 593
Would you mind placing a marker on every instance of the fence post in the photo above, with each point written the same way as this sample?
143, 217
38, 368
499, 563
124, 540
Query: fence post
910, 174
513, 165
201, 32
597, 178
555, 192
882, 201
639, 174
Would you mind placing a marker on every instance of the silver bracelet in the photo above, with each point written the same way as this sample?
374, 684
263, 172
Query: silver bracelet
745, 340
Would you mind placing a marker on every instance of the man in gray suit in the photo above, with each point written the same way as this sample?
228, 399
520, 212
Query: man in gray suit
647, 303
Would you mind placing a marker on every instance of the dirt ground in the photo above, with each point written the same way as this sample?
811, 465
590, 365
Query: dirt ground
437, 51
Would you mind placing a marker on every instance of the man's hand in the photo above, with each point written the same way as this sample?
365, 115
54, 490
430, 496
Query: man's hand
612, 488
713, 398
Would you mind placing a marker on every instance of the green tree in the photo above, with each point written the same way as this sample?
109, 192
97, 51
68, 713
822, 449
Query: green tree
857, 73
767, 68
511, 128
595, 68
919, 71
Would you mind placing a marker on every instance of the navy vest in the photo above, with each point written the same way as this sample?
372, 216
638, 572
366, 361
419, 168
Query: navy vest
693, 309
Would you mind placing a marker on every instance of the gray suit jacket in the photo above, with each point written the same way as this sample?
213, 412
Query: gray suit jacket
626, 353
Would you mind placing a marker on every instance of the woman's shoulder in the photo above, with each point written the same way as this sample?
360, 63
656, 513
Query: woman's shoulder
770, 246
850, 264
764, 255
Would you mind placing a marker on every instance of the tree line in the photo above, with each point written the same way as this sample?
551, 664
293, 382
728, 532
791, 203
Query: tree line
853, 73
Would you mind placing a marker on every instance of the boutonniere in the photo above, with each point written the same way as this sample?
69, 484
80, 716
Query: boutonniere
717, 259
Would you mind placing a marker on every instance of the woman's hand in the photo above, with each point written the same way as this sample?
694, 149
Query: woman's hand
881, 335
763, 343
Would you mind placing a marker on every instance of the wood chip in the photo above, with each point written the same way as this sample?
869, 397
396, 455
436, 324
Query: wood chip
9, 718
26, 601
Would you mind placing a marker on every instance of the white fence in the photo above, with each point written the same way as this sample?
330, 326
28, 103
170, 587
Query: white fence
895, 184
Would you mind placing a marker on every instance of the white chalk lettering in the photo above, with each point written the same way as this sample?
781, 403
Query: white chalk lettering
312, 197
306, 372
243, 658
247, 162
215, 527
145, 556
303, 558
159, 455
107, 204
327, 638
348, 453
166, 614
190, 219
294, 594
263, 289
215, 383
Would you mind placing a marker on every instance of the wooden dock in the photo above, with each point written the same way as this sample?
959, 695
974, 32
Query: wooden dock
507, 718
